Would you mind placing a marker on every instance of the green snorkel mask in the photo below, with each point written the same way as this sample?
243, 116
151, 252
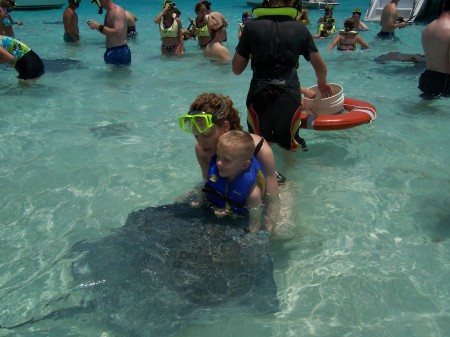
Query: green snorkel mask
199, 120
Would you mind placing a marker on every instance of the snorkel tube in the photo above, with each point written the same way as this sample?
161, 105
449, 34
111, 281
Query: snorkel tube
100, 8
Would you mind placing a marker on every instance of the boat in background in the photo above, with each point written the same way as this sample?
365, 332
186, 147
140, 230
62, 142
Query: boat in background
311, 4
316, 4
39, 4
410, 10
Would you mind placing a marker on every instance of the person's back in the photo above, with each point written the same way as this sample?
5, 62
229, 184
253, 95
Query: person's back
436, 45
131, 23
274, 60
388, 21
273, 43
26, 62
348, 39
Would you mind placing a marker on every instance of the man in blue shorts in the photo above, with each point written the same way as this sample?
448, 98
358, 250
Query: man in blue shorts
115, 28
274, 41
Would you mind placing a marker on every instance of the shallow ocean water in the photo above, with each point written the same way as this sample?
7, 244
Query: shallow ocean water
83, 147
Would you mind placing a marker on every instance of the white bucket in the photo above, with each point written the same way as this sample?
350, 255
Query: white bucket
325, 106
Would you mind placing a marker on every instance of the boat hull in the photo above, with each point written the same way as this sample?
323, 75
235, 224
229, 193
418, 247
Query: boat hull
39, 4
317, 4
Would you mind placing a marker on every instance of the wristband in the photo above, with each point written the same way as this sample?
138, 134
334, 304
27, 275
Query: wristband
100, 28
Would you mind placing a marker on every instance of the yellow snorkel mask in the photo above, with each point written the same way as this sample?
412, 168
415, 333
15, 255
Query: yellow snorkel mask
202, 121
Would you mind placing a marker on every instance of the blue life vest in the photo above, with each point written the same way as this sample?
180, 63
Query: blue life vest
233, 195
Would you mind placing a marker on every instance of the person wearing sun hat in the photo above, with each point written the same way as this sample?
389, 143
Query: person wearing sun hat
70, 20
217, 27
356, 16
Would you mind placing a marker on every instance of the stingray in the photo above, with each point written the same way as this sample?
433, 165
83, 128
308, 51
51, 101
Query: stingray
107, 129
53, 22
61, 65
400, 57
166, 268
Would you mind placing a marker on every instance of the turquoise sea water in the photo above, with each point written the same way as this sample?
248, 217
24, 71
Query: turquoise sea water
82, 148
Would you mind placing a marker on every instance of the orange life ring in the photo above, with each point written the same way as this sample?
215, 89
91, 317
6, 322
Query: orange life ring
356, 113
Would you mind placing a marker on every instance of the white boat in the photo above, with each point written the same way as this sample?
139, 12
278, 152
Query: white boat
316, 4
311, 4
39, 4
410, 10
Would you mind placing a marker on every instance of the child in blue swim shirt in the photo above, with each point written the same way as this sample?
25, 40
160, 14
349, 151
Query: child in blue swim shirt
235, 183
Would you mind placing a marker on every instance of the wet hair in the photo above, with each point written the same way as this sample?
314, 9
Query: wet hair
211, 103
207, 4
241, 142
349, 25
246, 15
446, 6
198, 6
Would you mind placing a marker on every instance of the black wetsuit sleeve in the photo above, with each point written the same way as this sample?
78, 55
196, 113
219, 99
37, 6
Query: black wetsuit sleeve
243, 47
309, 44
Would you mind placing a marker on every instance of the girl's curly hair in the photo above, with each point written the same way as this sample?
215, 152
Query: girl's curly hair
211, 103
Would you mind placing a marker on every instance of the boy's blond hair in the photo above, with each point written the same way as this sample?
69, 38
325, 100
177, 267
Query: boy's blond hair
241, 142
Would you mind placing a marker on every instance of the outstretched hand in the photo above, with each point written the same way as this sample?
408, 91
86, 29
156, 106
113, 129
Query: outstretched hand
325, 89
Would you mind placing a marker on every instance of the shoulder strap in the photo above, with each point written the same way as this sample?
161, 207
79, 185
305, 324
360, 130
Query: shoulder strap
258, 147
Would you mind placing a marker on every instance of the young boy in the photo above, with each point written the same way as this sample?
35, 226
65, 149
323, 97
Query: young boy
235, 182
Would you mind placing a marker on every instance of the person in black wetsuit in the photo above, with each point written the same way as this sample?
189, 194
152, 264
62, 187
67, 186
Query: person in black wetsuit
274, 41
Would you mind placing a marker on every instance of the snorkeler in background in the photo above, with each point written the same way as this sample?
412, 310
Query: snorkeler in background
170, 30
6, 21
356, 16
326, 29
70, 20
